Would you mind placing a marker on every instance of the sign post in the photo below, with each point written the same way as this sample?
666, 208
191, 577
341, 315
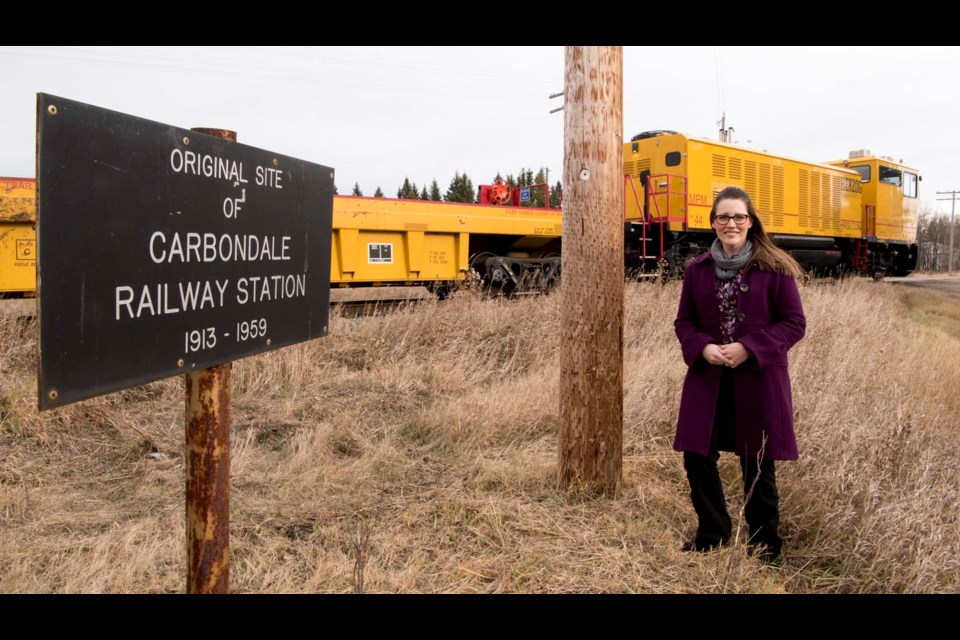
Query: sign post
164, 251
207, 462
207, 465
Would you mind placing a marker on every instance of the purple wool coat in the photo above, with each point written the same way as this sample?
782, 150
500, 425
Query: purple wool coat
770, 320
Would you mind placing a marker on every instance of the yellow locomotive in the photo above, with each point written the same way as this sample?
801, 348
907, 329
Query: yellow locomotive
858, 214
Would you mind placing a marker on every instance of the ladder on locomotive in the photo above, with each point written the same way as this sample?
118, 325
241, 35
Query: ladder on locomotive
662, 217
870, 231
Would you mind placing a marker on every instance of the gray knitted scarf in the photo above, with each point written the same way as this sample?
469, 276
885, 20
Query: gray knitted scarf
725, 267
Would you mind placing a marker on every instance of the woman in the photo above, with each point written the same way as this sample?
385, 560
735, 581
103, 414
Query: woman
740, 313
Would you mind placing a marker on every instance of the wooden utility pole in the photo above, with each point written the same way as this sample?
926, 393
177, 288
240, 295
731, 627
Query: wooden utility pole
953, 204
592, 284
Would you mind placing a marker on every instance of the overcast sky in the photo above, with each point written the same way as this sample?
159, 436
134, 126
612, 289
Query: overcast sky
379, 114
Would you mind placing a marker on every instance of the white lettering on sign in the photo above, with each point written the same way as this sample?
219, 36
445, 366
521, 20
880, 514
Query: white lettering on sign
201, 164
134, 301
261, 288
268, 177
210, 247
157, 299
231, 206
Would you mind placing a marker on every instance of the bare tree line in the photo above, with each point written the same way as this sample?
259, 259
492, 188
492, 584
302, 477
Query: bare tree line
933, 238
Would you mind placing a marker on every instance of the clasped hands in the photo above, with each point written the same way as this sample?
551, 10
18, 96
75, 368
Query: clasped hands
726, 355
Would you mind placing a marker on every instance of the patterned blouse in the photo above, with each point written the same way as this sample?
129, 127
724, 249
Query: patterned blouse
728, 292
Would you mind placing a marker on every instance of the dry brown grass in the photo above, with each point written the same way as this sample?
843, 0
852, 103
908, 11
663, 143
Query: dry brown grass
426, 440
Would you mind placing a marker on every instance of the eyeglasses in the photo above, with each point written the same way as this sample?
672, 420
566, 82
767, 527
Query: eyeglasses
739, 219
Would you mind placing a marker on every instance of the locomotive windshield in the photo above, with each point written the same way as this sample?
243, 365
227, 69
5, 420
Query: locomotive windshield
889, 175
864, 171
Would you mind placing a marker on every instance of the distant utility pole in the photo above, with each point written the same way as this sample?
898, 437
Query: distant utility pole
953, 203
592, 284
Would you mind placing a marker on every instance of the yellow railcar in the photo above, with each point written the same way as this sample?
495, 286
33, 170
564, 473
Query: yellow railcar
378, 241
18, 237
815, 211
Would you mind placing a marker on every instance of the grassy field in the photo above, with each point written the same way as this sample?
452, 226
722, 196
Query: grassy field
425, 440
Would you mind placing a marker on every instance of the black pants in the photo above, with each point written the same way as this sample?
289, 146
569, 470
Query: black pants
762, 510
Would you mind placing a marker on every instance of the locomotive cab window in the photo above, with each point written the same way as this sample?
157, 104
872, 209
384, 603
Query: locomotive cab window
909, 185
889, 175
672, 159
864, 171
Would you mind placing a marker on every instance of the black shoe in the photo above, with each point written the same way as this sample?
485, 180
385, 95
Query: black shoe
699, 547
765, 553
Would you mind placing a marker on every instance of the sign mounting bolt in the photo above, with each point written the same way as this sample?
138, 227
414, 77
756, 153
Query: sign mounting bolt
52, 110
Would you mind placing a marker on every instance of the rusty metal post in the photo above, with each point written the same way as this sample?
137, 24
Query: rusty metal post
591, 317
207, 459
208, 479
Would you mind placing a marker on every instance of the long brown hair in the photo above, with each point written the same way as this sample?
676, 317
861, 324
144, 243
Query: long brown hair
767, 255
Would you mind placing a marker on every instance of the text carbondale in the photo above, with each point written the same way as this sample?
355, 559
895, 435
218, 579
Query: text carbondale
210, 247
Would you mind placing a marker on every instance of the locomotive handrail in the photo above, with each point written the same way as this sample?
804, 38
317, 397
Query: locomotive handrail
647, 217
652, 189
643, 214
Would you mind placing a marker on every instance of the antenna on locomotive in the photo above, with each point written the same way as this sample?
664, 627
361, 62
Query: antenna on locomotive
726, 133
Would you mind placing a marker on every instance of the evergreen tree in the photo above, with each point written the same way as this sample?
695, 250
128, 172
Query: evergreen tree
461, 189
435, 191
408, 190
525, 178
378, 193
335, 192
556, 195
423, 193
538, 196
356, 189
